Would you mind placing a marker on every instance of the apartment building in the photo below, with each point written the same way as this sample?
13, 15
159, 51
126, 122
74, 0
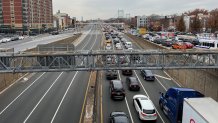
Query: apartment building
24, 15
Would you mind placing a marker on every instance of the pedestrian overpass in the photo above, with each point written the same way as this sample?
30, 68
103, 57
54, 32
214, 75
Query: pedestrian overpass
88, 60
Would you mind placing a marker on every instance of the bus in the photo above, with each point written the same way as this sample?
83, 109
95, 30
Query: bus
207, 41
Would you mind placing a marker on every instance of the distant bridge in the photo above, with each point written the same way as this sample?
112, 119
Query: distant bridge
103, 60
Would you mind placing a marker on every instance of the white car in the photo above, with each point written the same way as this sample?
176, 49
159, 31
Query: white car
145, 108
108, 47
6, 39
21, 37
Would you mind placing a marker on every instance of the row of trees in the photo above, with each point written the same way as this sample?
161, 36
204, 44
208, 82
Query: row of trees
208, 23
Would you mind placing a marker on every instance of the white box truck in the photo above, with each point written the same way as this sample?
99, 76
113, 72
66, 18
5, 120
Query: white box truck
200, 110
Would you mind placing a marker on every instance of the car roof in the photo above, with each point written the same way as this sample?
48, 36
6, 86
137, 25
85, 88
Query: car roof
133, 79
117, 84
145, 102
121, 119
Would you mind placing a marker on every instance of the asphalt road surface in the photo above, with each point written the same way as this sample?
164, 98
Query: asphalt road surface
149, 88
49, 97
33, 41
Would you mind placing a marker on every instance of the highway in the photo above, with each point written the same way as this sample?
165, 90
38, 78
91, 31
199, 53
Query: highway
148, 88
59, 97
49, 97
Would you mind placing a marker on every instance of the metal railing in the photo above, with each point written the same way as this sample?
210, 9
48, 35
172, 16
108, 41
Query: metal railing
102, 60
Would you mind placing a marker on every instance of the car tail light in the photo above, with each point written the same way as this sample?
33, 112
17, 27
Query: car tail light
155, 114
143, 114
113, 92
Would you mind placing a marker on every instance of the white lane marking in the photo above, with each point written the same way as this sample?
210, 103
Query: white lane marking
67, 89
42, 98
148, 96
87, 41
96, 35
172, 79
63, 98
13, 84
21, 94
82, 37
162, 77
126, 102
161, 84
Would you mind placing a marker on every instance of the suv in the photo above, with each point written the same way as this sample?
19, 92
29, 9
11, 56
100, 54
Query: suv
117, 90
118, 117
133, 83
147, 75
111, 74
127, 72
145, 108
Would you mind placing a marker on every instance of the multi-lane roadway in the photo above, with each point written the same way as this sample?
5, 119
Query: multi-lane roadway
59, 96
148, 88
49, 97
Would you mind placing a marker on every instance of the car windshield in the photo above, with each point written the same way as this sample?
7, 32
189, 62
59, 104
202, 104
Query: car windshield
121, 119
149, 111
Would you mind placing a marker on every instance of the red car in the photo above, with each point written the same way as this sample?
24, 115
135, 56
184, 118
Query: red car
189, 45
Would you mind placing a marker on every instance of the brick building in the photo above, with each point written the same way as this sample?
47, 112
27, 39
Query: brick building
24, 15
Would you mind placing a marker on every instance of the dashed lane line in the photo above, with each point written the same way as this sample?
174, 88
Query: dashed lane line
42, 98
21, 94
148, 96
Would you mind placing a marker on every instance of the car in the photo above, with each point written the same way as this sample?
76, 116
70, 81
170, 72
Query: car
117, 91
179, 45
145, 108
55, 33
127, 72
113, 36
116, 40
167, 43
147, 75
21, 37
119, 117
111, 74
133, 83
6, 39
14, 38
189, 45
107, 37
108, 47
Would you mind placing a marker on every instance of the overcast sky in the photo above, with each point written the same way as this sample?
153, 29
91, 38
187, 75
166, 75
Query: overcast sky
104, 9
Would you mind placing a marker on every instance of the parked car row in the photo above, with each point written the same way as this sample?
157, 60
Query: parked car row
8, 38
174, 40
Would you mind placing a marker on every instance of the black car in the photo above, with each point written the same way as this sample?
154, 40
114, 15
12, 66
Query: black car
107, 37
111, 74
127, 72
55, 33
147, 75
167, 43
117, 90
118, 117
133, 83
158, 41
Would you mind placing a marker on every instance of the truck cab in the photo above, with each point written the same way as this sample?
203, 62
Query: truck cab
172, 102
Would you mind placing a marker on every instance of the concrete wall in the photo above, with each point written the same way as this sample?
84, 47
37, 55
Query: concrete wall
200, 80
7, 79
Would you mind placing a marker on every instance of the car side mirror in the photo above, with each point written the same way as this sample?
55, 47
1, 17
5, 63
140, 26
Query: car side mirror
162, 94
